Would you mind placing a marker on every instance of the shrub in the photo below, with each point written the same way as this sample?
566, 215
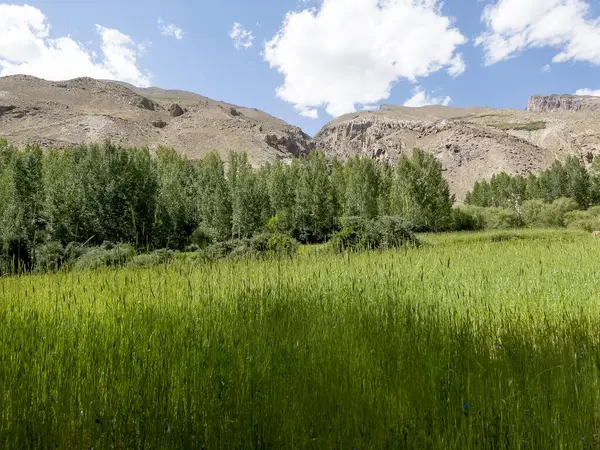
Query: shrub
500, 218
537, 213
275, 244
50, 257
358, 234
267, 244
468, 218
16, 255
106, 255
155, 258
528, 126
201, 237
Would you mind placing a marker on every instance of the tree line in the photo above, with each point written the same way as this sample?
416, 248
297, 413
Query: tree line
567, 194
91, 194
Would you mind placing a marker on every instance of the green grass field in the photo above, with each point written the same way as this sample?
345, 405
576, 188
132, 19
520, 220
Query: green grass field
472, 341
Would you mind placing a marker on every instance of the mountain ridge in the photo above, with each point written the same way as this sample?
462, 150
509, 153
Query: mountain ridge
472, 143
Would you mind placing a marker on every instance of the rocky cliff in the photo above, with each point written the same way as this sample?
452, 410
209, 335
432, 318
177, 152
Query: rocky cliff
554, 103
471, 143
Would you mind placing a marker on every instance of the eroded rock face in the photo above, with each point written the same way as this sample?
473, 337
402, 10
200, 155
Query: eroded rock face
381, 138
292, 140
553, 103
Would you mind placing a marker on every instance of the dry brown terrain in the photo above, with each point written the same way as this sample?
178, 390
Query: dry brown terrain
472, 143
87, 110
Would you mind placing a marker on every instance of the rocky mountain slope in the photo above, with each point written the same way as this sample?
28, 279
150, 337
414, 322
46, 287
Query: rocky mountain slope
472, 143
88, 110
561, 103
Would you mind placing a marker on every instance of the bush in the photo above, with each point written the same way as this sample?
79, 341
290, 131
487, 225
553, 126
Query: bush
263, 245
201, 238
358, 234
468, 218
106, 255
50, 257
153, 259
537, 213
16, 255
500, 218
275, 244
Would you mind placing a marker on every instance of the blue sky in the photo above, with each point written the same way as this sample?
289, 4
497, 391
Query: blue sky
338, 57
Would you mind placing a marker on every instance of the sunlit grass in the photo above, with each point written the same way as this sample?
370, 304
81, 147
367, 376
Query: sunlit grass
485, 344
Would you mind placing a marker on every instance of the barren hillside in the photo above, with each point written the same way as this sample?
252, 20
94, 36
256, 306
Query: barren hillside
88, 110
471, 143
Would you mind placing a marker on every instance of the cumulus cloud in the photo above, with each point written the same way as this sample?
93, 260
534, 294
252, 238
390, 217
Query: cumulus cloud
513, 26
170, 29
26, 47
241, 37
593, 93
421, 98
347, 53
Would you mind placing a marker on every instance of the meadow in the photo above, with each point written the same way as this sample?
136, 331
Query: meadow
474, 340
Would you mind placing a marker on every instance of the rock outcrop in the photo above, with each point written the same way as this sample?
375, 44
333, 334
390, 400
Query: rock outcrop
471, 143
554, 103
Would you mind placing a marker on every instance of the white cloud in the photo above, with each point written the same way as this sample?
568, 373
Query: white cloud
591, 92
346, 53
310, 113
26, 47
421, 98
241, 37
547, 68
513, 26
170, 29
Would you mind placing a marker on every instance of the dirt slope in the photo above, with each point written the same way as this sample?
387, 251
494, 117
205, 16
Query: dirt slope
88, 110
472, 143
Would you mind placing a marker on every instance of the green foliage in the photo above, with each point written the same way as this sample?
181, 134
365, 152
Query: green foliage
528, 126
564, 180
501, 218
153, 259
537, 213
362, 188
468, 218
106, 255
464, 344
201, 237
214, 201
176, 214
16, 255
420, 194
360, 234
50, 257
314, 201
275, 244
260, 246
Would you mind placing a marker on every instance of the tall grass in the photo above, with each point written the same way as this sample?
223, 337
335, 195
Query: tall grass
482, 345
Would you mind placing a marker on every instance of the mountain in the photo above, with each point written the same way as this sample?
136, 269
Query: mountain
561, 103
87, 110
472, 143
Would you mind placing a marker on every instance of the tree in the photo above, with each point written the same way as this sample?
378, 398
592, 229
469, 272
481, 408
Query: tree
420, 194
314, 205
362, 188
214, 202
177, 213
249, 199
